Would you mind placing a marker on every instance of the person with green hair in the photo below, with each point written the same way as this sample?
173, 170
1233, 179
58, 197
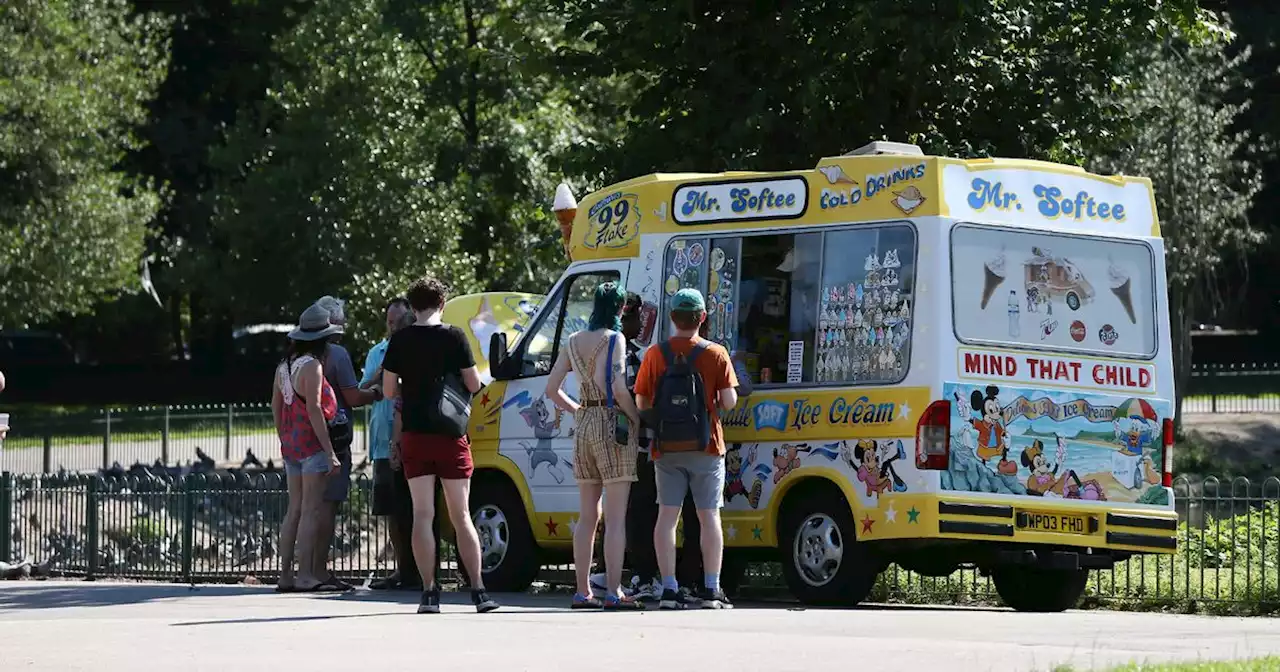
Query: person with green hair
605, 442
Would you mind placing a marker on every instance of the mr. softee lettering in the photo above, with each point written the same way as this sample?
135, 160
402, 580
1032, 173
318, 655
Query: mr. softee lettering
1076, 372
1051, 202
763, 199
804, 413
873, 183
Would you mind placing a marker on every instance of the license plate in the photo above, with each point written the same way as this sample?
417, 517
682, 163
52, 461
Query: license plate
1034, 521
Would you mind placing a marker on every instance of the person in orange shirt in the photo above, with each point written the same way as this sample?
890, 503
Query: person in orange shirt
688, 467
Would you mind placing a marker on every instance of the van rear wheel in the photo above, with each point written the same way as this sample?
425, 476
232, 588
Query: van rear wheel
823, 562
1035, 589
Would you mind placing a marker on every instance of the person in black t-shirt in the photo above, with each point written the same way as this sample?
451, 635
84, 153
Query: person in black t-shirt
417, 358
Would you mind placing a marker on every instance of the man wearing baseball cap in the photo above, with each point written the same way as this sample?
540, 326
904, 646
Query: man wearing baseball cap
682, 466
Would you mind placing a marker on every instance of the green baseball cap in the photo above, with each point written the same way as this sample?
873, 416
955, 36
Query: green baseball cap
688, 300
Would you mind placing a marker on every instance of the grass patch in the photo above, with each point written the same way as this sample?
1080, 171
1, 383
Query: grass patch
1267, 664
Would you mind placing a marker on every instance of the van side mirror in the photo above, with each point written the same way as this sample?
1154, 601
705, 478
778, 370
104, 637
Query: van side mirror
497, 354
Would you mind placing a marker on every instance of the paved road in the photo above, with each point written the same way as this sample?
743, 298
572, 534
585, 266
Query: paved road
105, 627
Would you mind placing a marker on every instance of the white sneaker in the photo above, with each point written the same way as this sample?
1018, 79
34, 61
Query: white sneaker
648, 592
599, 585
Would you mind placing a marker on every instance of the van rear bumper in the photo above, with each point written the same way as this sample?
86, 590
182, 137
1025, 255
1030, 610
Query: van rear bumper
1145, 532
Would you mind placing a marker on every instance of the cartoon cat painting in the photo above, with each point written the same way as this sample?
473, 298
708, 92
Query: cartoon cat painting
545, 428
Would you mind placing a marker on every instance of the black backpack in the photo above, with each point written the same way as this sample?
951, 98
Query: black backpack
680, 404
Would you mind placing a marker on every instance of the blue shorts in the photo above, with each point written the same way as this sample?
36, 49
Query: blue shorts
339, 485
315, 464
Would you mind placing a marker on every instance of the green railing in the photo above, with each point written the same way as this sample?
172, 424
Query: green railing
223, 527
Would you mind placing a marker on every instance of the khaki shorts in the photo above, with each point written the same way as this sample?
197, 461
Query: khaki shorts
597, 456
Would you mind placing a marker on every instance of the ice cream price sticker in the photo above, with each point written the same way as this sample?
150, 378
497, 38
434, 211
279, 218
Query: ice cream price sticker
1048, 370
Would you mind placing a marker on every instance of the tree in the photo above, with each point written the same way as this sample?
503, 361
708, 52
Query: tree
1204, 171
506, 117
75, 79
771, 84
328, 184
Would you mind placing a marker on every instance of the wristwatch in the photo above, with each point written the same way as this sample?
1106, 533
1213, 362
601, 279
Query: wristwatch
377, 393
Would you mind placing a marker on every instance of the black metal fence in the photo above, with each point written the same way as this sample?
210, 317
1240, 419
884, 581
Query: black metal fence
224, 528
171, 435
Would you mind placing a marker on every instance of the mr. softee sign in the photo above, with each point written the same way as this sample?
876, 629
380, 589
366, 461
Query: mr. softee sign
1059, 200
870, 413
1037, 369
741, 200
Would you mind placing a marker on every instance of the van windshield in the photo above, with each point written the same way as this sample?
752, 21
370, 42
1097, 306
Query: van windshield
1053, 291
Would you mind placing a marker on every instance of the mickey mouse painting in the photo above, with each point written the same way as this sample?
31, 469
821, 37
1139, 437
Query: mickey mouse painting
989, 421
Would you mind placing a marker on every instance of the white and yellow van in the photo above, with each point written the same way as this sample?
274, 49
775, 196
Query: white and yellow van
955, 363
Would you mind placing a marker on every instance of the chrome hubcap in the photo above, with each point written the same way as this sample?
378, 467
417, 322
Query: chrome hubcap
491, 526
818, 550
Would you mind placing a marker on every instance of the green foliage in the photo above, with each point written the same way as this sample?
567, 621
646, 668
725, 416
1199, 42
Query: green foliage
1203, 169
75, 79
765, 85
1250, 538
333, 190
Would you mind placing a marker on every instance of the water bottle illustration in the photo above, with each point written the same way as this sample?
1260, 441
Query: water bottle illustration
1015, 327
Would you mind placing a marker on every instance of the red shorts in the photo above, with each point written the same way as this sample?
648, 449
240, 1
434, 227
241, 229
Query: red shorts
435, 455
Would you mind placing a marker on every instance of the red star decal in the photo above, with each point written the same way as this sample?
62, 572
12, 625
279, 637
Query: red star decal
552, 526
867, 522
484, 400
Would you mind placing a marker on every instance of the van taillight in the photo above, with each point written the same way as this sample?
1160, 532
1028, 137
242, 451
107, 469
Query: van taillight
933, 437
1166, 468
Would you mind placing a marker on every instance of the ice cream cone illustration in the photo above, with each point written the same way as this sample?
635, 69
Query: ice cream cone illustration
566, 208
836, 175
1121, 286
908, 199
993, 273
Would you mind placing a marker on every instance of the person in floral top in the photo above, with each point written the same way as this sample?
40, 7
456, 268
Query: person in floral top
302, 404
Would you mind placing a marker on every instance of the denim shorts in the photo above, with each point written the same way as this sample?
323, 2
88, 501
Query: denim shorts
694, 472
315, 464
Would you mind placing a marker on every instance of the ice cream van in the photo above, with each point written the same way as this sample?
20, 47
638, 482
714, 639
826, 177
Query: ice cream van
937, 383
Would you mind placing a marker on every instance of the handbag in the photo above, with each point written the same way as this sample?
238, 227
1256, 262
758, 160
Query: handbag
449, 409
622, 425
452, 413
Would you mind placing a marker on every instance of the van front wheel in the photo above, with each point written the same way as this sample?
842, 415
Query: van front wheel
822, 560
508, 553
1039, 590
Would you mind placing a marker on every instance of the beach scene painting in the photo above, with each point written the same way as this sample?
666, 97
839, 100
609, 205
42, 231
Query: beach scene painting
1055, 444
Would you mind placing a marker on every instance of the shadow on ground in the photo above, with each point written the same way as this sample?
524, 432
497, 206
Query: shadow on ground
41, 595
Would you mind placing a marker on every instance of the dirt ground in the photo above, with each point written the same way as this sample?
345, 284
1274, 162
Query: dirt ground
1249, 443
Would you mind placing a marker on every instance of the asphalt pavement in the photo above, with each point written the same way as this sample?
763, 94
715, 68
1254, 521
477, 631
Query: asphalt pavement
121, 626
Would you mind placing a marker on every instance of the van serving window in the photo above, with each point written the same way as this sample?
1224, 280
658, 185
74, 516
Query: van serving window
796, 309
1053, 291
558, 322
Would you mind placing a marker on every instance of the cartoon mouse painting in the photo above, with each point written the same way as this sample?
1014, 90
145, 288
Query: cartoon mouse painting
989, 421
545, 428
876, 472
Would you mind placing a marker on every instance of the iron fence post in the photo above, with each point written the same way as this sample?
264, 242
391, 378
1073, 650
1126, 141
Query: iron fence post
106, 442
188, 527
164, 438
46, 458
230, 423
6, 515
91, 529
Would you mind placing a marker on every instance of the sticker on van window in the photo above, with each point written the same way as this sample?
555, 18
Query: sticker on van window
1107, 334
